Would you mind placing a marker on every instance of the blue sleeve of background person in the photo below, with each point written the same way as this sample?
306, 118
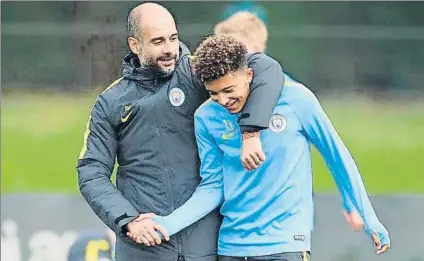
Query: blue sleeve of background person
209, 193
345, 172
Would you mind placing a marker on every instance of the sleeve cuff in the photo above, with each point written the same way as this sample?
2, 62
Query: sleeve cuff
250, 129
122, 225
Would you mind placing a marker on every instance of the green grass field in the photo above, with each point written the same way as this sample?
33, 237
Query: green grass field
41, 136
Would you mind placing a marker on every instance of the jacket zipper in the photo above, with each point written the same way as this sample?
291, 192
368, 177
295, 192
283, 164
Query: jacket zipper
171, 196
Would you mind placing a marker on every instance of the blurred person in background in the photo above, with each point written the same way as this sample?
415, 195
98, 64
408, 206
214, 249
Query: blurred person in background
145, 121
250, 6
268, 212
93, 246
248, 29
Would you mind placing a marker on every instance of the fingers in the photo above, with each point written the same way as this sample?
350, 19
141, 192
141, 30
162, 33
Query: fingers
133, 237
154, 235
346, 216
253, 161
141, 239
354, 220
144, 216
146, 234
252, 155
261, 156
250, 163
380, 249
376, 240
383, 249
163, 231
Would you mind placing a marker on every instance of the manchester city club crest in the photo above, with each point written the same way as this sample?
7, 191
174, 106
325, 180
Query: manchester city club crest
176, 97
277, 123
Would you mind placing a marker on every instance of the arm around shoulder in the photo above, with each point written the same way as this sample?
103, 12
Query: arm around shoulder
266, 87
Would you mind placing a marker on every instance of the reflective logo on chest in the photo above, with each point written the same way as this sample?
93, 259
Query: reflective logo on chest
277, 123
230, 130
176, 97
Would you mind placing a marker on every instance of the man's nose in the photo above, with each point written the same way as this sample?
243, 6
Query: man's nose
167, 48
222, 99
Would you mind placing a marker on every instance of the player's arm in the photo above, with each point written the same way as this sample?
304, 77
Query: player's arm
344, 170
209, 193
95, 167
266, 87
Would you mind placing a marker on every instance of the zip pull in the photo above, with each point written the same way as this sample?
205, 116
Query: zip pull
181, 257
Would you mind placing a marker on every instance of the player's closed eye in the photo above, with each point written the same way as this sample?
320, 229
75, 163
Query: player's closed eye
228, 91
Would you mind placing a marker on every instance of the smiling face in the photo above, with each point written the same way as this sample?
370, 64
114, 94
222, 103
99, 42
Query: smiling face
220, 63
160, 48
231, 90
156, 43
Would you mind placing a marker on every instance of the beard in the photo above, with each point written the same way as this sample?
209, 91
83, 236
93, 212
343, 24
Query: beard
153, 63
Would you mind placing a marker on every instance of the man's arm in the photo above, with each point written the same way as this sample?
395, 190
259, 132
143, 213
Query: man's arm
209, 193
95, 166
322, 134
265, 90
266, 87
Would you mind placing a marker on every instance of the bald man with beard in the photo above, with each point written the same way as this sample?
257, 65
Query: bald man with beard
144, 120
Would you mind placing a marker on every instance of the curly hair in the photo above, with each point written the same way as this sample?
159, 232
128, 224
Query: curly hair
216, 56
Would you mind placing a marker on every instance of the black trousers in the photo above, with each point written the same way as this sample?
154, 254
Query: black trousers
294, 256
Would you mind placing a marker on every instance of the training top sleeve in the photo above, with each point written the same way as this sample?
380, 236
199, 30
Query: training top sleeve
341, 164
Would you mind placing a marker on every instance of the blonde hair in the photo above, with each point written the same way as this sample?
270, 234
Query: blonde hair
245, 26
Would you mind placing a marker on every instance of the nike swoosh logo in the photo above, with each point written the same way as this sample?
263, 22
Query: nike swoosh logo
227, 136
126, 117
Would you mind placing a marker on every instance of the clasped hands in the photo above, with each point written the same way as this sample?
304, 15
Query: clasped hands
143, 230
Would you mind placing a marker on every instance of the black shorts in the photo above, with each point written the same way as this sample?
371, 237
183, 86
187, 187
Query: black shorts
292, 256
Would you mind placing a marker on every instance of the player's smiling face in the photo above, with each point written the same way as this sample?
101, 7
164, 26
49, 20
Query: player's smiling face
231, 90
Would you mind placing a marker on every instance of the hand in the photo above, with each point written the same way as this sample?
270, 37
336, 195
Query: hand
252, 155
143, 229
354, 220
380, 248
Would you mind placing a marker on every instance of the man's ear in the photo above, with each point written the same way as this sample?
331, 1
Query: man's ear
134, 45
249, 73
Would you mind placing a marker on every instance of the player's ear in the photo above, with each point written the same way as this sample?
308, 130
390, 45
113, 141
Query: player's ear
249, 75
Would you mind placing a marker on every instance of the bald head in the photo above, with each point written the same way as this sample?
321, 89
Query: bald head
147, 15
153, 37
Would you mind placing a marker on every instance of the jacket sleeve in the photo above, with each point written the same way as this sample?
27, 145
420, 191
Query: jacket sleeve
266, 87
95, 167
